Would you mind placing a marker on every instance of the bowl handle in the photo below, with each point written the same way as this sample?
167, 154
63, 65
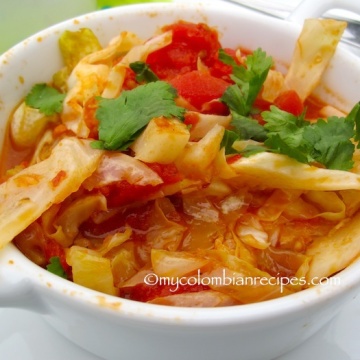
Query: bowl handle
16, 289
311, 8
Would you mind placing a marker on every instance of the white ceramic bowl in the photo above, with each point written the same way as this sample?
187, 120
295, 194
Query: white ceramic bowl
115, 328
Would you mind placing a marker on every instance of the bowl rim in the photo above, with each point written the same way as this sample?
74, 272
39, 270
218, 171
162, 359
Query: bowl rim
68, 291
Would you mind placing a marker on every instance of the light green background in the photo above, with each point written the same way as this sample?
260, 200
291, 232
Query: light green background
22, 18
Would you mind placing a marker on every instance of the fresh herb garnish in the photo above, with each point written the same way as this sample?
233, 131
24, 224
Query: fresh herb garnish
354, 116
143, 72
248, 128
240, 97
48, 100
252, 150
121, 119
228, 140
286, 133
326, 142
55, 267
248, 80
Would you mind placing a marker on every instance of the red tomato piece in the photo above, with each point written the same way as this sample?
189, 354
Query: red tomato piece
189, 42
199, 88
143, 292
290, 101
122, 193
54, 249
233, 158
221, 70
168, 172
191, 118
261, 104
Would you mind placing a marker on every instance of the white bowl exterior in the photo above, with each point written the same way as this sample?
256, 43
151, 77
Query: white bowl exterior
114, 328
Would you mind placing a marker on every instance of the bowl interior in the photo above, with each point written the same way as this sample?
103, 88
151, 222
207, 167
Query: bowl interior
37, 58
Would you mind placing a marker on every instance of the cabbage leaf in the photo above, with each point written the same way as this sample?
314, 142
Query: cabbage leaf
29, 193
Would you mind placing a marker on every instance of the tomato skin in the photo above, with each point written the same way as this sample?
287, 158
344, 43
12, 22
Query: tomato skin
290, 101
144, 292
189, 42
199, 88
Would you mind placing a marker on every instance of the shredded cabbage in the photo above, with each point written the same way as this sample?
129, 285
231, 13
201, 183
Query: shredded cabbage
197, 196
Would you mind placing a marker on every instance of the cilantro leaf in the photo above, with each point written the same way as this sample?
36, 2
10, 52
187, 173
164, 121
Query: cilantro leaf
143, 72
228, 140
326, 142
243, 128
252, 150
235, 99
279, 145
48, 100
283, 122
55, 267
248, 128
285, 133
122, 119
354, 116
258, 66
226, 58
330, 142
248, 80
241, 96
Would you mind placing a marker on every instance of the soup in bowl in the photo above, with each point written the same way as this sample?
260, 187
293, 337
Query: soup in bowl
174, 177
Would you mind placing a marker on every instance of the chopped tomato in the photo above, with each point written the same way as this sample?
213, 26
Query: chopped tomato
313, 107
261, 104
290, 101
221, 70
54, 249
129, 81
233, 158
143, 292
199, 88
122, 193
191, 118
215, 107
168, 172
189, 42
